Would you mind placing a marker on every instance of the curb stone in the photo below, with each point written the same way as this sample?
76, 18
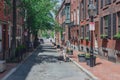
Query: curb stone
84, 70
14, 69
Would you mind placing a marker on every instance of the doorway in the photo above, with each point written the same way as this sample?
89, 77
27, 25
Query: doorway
0, 38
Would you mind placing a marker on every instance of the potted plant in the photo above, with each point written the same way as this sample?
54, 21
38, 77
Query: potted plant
88, 59
117, 36
103, 36
87, 56
69, 52
81, 57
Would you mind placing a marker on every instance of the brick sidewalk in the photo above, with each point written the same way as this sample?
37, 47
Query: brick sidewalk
9, 67
104, 70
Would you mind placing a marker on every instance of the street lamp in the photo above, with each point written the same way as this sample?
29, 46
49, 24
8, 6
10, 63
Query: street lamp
92, 13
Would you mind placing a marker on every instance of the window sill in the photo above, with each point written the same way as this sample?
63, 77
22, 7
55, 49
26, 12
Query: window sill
117, 2
105, 7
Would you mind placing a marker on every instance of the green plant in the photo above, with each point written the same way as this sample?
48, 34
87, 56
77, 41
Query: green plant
87, 55
103, 36
20, 48
81, 54
117, 35
81, 37
87, 38
67, 50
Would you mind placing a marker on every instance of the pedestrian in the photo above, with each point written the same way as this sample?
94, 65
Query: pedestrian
64, 54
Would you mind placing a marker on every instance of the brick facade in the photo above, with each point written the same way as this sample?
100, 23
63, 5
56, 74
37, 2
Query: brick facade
6, 20
107, 22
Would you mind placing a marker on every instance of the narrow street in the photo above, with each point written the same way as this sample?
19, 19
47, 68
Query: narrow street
44, 64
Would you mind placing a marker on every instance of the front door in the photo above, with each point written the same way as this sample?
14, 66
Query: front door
0, 38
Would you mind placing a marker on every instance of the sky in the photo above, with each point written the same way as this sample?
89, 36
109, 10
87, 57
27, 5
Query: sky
60, 1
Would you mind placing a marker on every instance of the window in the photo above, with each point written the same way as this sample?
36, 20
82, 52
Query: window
119, 22
82, 32
87, 9
5, 8
106, 25
87, 30
114, 23
82, 10
97, 6
101, 3
67, 12
74, 17
78, 17
107, 2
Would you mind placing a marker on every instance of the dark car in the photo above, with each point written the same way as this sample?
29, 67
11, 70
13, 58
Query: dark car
41, 41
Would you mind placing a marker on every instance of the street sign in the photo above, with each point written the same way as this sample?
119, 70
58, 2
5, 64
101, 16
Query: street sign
92, 26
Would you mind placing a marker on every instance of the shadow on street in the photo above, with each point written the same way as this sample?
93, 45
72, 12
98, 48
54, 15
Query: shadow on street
36, 58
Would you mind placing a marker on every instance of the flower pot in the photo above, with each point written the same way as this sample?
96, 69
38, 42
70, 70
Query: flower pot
88, 61
82, 58
70, 52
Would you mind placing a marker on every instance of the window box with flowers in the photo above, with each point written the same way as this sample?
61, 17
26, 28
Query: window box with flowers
104, 36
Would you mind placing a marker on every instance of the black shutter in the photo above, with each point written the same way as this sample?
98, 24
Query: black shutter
101, 3
84, 7
101, 25
83, 32
109, 26
97, 5
80, 12
114, 24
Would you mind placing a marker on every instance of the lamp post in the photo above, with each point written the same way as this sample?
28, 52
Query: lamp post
92, 13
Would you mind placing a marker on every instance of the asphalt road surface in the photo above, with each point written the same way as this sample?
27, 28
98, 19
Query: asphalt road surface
44, 64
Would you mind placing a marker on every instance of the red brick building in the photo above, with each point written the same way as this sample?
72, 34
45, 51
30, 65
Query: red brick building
75, 22
6, 20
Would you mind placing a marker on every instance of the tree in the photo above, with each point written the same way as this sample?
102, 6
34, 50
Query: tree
39, 16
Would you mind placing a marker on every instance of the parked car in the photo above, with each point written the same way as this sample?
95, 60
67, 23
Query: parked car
41, 41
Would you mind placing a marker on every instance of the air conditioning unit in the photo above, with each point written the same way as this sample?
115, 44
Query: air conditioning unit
2, 65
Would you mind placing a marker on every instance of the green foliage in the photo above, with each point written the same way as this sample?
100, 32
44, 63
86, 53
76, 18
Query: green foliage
20, 48
87, 55
81, 37
81, 54
117, 36
103, 36
39, 14
87, 38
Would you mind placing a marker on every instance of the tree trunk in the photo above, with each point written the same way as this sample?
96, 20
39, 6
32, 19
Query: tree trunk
13, 43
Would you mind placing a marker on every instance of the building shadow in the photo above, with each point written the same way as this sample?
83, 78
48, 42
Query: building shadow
37, 58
